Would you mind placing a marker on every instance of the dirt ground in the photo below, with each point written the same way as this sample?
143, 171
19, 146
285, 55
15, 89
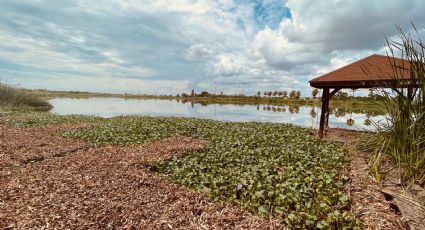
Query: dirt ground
368, 203
47, 181
51, 182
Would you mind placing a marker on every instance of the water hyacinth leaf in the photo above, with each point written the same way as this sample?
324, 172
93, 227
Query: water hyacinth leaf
262, 209
270, 169
322, 225
344, 199
309, 223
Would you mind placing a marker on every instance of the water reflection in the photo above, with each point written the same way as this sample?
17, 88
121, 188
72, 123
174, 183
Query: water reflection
306, 116
367, 122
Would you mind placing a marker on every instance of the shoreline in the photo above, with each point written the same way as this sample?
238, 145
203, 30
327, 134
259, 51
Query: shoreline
355, 104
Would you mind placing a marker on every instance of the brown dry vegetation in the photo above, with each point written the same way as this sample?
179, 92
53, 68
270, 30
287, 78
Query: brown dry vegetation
47, 181
52, 182
368, 203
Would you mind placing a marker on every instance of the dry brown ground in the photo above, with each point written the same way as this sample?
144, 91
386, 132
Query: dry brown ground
368, 203
22, 146
48, 181
52, 182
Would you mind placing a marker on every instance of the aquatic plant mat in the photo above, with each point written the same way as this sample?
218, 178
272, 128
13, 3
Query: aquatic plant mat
106, 188
166, 173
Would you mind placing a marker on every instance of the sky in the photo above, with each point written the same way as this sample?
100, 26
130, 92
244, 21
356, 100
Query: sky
170, 47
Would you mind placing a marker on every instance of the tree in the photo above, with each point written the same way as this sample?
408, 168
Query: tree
298, 95
265, 93
275, 93
341, 95
193, 93
204, 94
270, 93
280, 93
314, 93
292, 94
373, 95
259, 93
285, 94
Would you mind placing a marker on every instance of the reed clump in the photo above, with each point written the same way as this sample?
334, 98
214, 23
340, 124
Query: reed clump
401, 137
15, 97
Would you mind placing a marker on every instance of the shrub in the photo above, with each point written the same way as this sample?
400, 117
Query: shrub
15, 97
402, 136
203, 94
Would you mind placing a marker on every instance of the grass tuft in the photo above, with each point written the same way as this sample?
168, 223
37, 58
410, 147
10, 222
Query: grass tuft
16, 98
401, 137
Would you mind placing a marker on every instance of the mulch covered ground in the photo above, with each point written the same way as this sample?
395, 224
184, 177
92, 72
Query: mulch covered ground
52, 182
369, 204
21, 146
47, 181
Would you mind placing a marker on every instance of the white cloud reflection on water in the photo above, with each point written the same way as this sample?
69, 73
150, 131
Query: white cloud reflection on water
110, 107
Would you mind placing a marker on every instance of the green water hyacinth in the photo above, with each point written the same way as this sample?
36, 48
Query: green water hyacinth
270, 169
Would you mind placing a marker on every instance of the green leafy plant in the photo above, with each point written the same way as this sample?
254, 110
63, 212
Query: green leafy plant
269, 169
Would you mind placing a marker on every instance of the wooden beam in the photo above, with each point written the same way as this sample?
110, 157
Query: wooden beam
331, 94
366, 84
336, 90
324, 111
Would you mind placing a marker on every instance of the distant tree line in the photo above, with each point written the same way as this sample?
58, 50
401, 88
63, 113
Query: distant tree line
284, 94
341, 95
194, 94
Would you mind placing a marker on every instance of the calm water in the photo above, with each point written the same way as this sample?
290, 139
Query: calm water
306, 116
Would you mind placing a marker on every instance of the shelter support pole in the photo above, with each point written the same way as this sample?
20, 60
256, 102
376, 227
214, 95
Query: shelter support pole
324, 111
410, 92
324, 115
331, 94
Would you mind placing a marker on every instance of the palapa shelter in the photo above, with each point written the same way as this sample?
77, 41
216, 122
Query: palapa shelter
371, 72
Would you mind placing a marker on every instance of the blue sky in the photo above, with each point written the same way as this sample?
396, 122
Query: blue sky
167, 46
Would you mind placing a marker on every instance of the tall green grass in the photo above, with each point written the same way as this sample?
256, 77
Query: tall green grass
401, 136
14, 97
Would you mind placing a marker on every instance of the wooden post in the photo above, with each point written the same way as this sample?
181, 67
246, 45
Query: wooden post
324, 116
410, 95
324, 111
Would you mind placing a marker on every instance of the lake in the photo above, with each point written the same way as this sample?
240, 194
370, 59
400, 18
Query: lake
305, 116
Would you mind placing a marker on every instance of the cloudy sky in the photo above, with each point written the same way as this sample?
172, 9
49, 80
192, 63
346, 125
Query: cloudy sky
169, 46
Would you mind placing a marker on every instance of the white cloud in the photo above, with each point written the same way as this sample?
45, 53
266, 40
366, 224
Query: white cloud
229, 65
199, 51
279, 53
113, 56
243, 46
